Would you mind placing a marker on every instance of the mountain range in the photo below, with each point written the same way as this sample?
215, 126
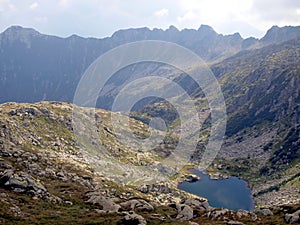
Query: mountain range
37, 67
260, 81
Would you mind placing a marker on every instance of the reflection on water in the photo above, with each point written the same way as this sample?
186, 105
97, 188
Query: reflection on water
232, 193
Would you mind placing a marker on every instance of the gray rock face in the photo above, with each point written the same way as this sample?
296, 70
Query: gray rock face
293, 218
185, 212
277, 34
105, 204
21, 182
25, 183
199, 204
138, 204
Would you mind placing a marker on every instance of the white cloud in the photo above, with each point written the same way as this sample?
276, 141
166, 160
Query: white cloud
213, 12
161, 13
101, 18
187, 17
280, 12
64, 3
41, 19
34, 5
7, 6
4, 4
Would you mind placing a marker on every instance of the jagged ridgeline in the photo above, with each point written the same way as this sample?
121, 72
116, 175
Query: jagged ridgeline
37, 67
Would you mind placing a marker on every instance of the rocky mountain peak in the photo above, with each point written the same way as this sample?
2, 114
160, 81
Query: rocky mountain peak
19, 30
172, 29
207, 30
18, 33
75, 37
131, 34
279, 34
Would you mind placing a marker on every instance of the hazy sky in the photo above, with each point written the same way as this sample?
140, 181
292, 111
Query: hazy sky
100, 18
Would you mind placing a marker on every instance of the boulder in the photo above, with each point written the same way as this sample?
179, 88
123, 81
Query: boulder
200, 204
105, 204
185, 212
191, 178
242, 213
25, 183
6, 175
217, 213
133, 218
158, 188
264, 212
138, 204
21, 182
293, 218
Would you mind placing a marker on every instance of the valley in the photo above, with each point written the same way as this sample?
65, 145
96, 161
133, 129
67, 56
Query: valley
46, 178
55, 171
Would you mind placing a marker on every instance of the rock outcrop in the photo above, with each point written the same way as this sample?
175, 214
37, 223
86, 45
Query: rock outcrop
293, 217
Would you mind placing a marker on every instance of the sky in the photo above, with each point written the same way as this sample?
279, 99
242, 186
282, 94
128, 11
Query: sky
101, 18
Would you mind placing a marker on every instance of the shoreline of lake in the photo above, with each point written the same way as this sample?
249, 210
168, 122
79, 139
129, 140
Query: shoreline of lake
229, 192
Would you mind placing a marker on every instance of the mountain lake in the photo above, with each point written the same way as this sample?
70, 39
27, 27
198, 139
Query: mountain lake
231, 193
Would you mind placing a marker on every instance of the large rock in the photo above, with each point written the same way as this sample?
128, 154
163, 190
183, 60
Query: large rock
157, 188
242, 213
25, 183
264, 212
293, 218
217, 213
105, 204
5, 176
133, 218
185, 212
138, 204
200, 204
191, 178
21, 182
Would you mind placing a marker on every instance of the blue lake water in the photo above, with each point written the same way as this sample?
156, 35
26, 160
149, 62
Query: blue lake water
231, 193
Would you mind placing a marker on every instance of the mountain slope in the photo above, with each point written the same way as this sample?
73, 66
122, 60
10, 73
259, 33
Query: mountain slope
35, 67
44, 179
261, 89
260, 85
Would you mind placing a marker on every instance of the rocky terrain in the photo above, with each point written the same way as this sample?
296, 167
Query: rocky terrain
261, 90
55, 171
45, 179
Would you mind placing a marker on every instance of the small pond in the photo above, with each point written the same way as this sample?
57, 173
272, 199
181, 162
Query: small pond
231, 193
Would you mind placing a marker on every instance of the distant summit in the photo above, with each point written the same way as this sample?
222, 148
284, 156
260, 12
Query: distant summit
18, 30
18, 33
207, 29
279, 34
35, 67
